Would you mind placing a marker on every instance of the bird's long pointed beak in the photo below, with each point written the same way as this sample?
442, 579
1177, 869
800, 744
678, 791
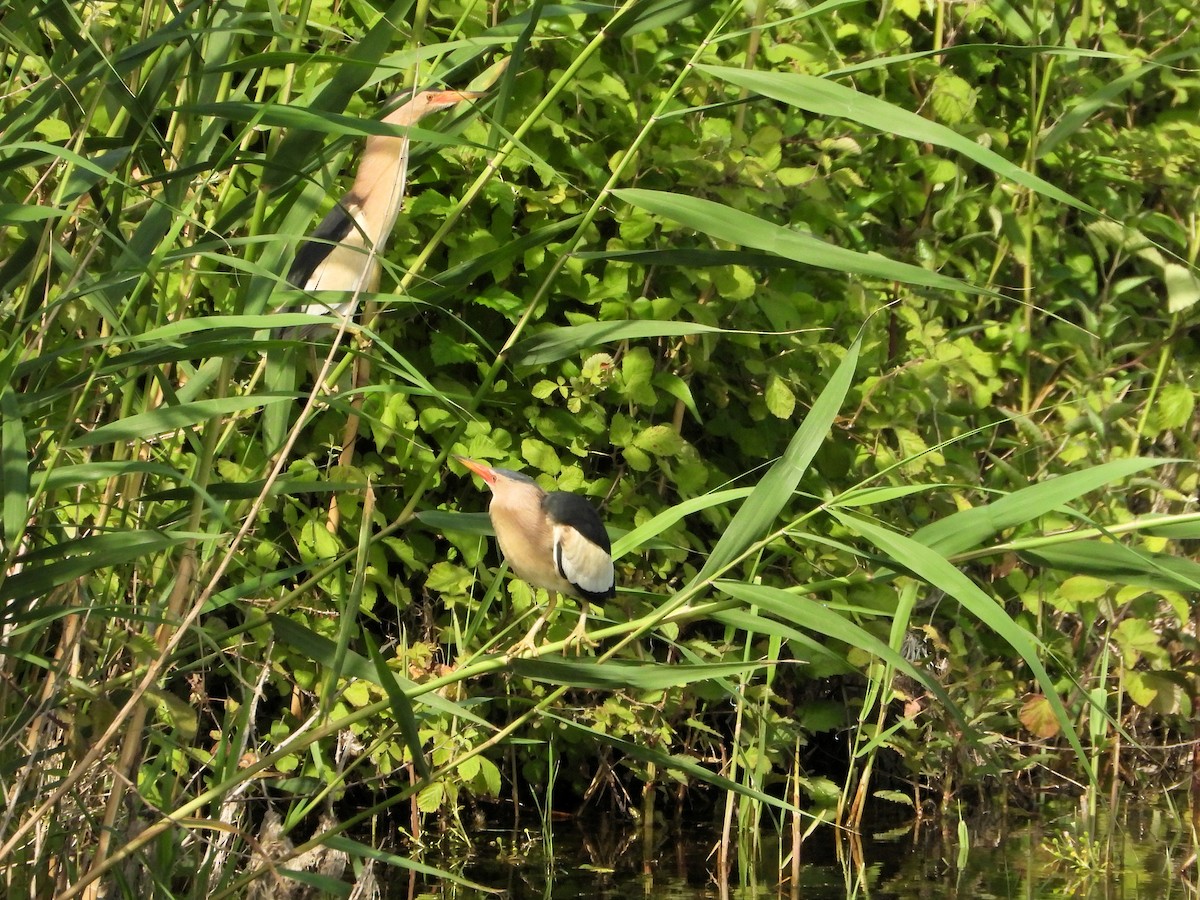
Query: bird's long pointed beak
485, 472
449, 98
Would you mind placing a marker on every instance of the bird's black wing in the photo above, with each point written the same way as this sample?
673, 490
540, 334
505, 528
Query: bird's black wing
312, 251
570, 509
582, 552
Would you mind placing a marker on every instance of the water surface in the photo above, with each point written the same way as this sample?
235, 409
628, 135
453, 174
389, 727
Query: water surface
1136, 854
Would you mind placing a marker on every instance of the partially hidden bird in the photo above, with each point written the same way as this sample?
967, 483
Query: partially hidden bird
554, 540
342, 254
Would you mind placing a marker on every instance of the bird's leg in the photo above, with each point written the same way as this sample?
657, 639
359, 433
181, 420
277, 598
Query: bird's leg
528, 643
578, 636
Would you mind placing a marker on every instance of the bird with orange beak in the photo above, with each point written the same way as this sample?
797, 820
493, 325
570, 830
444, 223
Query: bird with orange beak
342, 255
553, 540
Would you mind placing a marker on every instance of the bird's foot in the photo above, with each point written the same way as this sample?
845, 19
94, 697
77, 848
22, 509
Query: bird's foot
524, 647
528, 644
578, 639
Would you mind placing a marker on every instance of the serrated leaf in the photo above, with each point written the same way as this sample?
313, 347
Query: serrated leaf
639, 460
637, 370
1083, 588
540, 455
447, 578
176, 711
316, 544
1037, 715
468, 768
780, 400
490, 775
1173, 409
895, 797
544, 389
1139, 689
661, 440
1137, 640
1183, 287
430, 799
357, 694
952, 98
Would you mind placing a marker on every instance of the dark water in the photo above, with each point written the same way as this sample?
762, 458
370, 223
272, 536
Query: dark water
1138, 854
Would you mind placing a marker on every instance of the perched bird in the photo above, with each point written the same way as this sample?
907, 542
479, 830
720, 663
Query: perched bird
343, 253
551, 540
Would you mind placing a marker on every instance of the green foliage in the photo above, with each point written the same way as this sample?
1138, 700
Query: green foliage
858, 325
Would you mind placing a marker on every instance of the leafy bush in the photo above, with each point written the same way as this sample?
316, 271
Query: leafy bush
868, 331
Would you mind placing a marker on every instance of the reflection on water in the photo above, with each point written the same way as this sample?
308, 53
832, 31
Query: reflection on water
1139, 854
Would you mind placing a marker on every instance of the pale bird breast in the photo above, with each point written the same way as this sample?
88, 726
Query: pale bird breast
527, 542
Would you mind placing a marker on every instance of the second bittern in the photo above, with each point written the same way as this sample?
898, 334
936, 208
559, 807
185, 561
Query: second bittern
552, 540
342, 254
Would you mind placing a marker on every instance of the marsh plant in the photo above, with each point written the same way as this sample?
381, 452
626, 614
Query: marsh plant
871, 329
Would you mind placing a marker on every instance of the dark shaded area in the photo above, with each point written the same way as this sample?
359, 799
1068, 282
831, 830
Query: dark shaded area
1134, 855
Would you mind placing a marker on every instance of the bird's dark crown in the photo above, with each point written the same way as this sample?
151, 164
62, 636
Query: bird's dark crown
515, 476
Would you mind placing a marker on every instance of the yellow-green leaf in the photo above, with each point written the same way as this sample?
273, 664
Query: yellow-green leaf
781, 402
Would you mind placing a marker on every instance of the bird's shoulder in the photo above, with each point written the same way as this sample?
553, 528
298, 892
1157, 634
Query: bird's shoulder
571, 509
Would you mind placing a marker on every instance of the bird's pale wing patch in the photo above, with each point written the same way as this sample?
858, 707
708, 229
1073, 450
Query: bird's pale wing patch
587, 566
346, 267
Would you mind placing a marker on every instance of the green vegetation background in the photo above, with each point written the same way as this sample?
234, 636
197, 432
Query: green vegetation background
957, 241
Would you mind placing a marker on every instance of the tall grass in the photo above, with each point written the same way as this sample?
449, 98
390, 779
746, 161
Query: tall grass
215, 606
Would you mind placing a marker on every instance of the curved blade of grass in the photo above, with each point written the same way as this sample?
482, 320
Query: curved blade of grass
1078, 114
348, 614
804, 612
968, 529
251, 323
74, 559
750, 622
253, 587
248, 490
44, 152
653, 14
467, 523
559, 343
84, 473
938, 571
728, 224
14, 469
1120, 564
694, 258
828, 98
1169, 528
868, 496
616, 674
402, 708
668, 517
172, 418
354, 848
775, 489
320, 885
278, 116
